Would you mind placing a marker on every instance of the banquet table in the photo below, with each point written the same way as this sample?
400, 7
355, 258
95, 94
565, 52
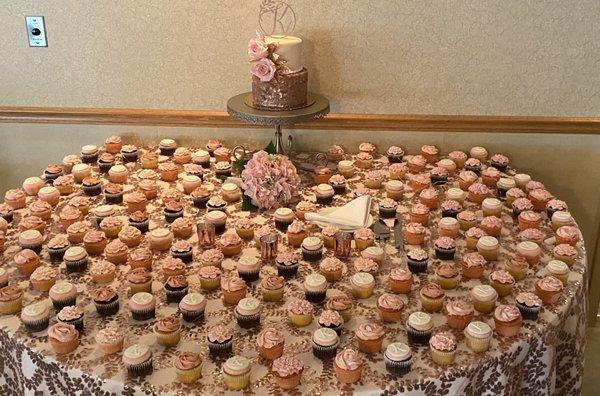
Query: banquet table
546, 357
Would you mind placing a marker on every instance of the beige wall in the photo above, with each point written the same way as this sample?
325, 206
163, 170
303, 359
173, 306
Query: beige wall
381, 56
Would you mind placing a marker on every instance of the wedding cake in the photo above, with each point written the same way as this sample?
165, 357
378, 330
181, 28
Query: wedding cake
279, 78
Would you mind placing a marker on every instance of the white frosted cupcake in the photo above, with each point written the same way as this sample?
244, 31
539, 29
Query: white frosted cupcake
478, 336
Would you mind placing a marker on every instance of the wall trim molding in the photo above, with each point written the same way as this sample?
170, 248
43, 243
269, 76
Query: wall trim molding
381, 122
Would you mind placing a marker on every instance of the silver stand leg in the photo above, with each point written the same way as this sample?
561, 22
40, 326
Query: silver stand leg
279, 140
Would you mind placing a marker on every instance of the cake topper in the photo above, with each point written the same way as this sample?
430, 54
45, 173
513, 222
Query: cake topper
276, 17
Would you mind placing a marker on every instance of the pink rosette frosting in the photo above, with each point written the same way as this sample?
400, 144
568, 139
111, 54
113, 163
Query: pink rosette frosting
348, 359
540, 194
418, 160
550, 283
451, 204
415, 228
390, 301
187, 361
569, 233
301, 307
232, 283
370, 331
445, 242
474, 259
467, 176
63, 332
475, 232
209, 272
269, 337
443, 342
286, 366
330, 317
365, 265
507, 313
502, 276
339, 302
364, 234
330, 231
287, 258
459, 308
400, 274
479, 189
219, 333
297, 227
398, 167
564, 249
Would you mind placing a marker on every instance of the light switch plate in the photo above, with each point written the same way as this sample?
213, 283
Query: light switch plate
36, 31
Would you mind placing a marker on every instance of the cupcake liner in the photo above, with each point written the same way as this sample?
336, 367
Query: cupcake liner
530, 313
37, 325
315, 297
444, 254
387, 213
107, 308
337, 329
500, 167
400, 286
92, 191
484, 306
105, 166
192, 316
3, 284
186, 257
172, 216
418, 337
236, 382
282, 225
324, 352
395, 159
64, 347
287, 271
140, 369
130, 157
249, 276
271, 353
431, 304
272, 295
142, 226
57, 255
312, 255
501, 288
168, 151
175, 296
347, 376
449, 213
60, 304
168, 339
362, 293
113, 198
442, 357
339, 188
200, 203
388, 315
370, 346
362, 244
324, 200
78, 323
416, 267
143, 314
35, 247
438, 179
247, 321
233, 297
189, 376
220, 349
87, 159
210, 283
448, 283
397, 367
301, 320
289, 382
477, 344
8, 217
140, 287
76, 266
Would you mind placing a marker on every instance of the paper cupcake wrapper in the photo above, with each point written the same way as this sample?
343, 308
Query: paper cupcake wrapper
210, 283
324, 200
107, 309
57, 255
315, 297
339, 189
309, 255
272, 295
530, 313
200, 203
249, 276
168, 339
445, 254
287, 271
143, 314
37, 325
76, 266
387, 213
397, 367
219, 349
140, 369
175, 296
78, 323
324, 352
418, 336
477, 344
92, 191
447, 283
186, 257
189, 376
143, 226
113, 198
171, 217
442, 357
301, 320
236, 382
362, 293
35, 247
247, 321
416, 267
282, 225
192, 316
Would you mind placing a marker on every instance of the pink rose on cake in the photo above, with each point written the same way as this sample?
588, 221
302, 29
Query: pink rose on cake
257, 48
264, 69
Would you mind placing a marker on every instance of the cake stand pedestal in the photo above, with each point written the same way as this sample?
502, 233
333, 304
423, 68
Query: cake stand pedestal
238, 108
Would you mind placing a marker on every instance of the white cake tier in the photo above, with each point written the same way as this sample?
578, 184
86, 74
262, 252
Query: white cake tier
289, 48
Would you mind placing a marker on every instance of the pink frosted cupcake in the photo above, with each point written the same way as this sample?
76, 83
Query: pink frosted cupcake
287, 371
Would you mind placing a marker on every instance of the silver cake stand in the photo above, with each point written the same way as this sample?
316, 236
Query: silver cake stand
238, 108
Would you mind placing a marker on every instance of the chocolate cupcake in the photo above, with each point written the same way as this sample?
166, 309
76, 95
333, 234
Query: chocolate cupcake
419, 328
57, 246
529, 304
106, 301
338, 182
283, 218
325, 343
182, 250
247, 312
62, 294
167, 147
445, 248
142, 306
417, 260
138, 360
192, 307
219, 340
173, 210
76, 259
129, 153
72, 315
315, 288
397, 358
395, 154
332, 320
36, 317
140, 221
105, 162
287, 264
176, 287
113, 193
248, 268
451, 208
200, 197
92, 186
89, 154
387, 208
312, 249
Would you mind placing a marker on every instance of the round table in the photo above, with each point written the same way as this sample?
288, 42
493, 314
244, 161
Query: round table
546, 357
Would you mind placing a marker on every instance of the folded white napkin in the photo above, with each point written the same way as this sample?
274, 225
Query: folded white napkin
354, 214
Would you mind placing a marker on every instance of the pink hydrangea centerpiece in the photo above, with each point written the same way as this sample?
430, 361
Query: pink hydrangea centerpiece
270, 180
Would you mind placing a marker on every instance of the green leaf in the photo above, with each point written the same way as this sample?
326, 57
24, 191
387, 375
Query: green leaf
247, 204
239, 165
270, 149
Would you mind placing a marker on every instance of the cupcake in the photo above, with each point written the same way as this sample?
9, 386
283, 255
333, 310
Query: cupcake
188, 367
73, 315
130, 236
529, 305
95, 242
445, 248
160, 239
448, 226
519, 205
508, 320
473, 165
447, 276
300, 313
442, 347
472, 236
400, 280
218, 219
182, 250
167, 147
304, 207
63, 337
247, 312
176, 287
92, 186
212, 145
140, 258
363, 238
324, 343
517, 266
116, 252
362, 284
43, 278
473, 265
467, 219
287, 264
32, 240
484, 298
296, 232
172, 266
502, 281
36, 316
374, 253
397, 358
216, 203
559, 270
459, 314
549, 289
331, 268
233, 288
103, 272
567, 235
315, 288
142, 306
106, 301
140, 221
129, 153
338, 182
394, 189
283, 218
182, 228
236, 372
451, 208
373, 179
212, 257
492, 225
488, 247
397, 171
438, 175
335, 153
287, 371
478, 336
414, 234
192, 307
200, 197
342, 304
363, 160
432, 297
419, 183
332, 320
370, 337
348, 366
219, 340
244, 227
231, 192
555, 205
210, 277
167, 331
109, 340
270, 342
137, 359
395, 154
565, 252
417, 260
416, 164
419, 327
312, 249
248, 268
429, 197
324, 194
62, 294
389, 306
272, 288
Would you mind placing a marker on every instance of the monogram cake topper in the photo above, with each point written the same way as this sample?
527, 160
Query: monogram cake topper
276, 18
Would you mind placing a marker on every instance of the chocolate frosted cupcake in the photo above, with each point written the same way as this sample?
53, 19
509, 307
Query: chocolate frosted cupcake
106, 301
529, 304
139, 220
173, 210
142, 306
92, 186
315, 288
247, 312
138, 360
192, 307
219, 340
36, 316
62, 294
200, 196
105, 162
72, 315
417, 260
419, 327
397, 358
167, 331
324, 343
57, 246
287, 264
113, 193
176, 287
332, 320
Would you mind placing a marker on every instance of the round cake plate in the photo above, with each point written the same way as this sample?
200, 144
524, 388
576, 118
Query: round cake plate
239, 109
326, 211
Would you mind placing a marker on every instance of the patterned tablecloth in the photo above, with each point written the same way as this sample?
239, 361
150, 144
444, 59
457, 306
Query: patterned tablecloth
545, 358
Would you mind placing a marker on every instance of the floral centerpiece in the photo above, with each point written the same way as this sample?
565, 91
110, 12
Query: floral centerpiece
270, 180
265, 63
